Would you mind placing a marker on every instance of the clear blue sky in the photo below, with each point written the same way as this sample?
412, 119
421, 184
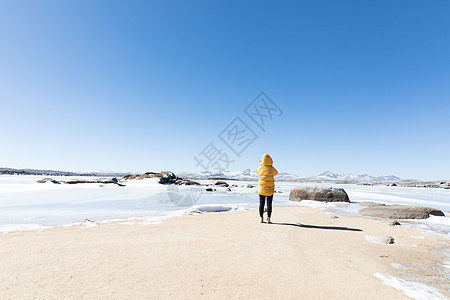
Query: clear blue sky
130, 85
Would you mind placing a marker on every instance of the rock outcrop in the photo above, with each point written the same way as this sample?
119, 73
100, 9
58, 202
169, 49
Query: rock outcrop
45, 180
180, 181
400, 212
319, 193
164, 176
103, 181
78, 181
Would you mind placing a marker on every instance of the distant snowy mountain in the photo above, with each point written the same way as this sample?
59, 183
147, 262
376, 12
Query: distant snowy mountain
323, 177
350, 177
235, 175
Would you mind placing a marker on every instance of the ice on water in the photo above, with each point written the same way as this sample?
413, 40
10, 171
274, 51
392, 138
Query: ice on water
27, 205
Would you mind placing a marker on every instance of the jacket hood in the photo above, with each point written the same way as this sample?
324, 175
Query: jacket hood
266, 160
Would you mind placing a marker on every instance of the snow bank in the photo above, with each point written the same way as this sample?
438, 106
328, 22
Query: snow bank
23, 227
213, 208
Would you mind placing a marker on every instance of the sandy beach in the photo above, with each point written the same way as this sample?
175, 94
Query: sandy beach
304, 254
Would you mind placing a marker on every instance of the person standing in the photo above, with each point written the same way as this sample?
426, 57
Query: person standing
266, 185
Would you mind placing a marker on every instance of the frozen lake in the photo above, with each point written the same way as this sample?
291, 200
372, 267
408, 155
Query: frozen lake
27, 205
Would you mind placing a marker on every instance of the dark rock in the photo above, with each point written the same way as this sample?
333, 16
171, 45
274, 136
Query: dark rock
394, 184
44, 180
390, 222
166, 177
250, 186
77, 181
210, 189
400, 212
228, 190
190, 182
221, 183
185, 182
318, 193
87, 221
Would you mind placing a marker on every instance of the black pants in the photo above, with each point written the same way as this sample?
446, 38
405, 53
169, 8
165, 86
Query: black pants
262, 200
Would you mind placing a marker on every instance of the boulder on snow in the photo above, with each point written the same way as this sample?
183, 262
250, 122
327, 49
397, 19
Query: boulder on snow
180, 181
164, 176
45, 180
400, 212
390, 222
210, 189
384, 239
319, 193
221, 183
141, 176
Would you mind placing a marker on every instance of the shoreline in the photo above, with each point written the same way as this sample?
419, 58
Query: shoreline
303, 244
420, 224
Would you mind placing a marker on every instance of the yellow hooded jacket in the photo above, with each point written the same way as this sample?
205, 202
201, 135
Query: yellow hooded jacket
266, 184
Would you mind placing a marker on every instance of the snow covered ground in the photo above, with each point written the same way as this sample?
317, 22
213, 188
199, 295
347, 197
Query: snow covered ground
28, 205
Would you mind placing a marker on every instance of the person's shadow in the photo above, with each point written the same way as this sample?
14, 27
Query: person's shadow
317, 226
